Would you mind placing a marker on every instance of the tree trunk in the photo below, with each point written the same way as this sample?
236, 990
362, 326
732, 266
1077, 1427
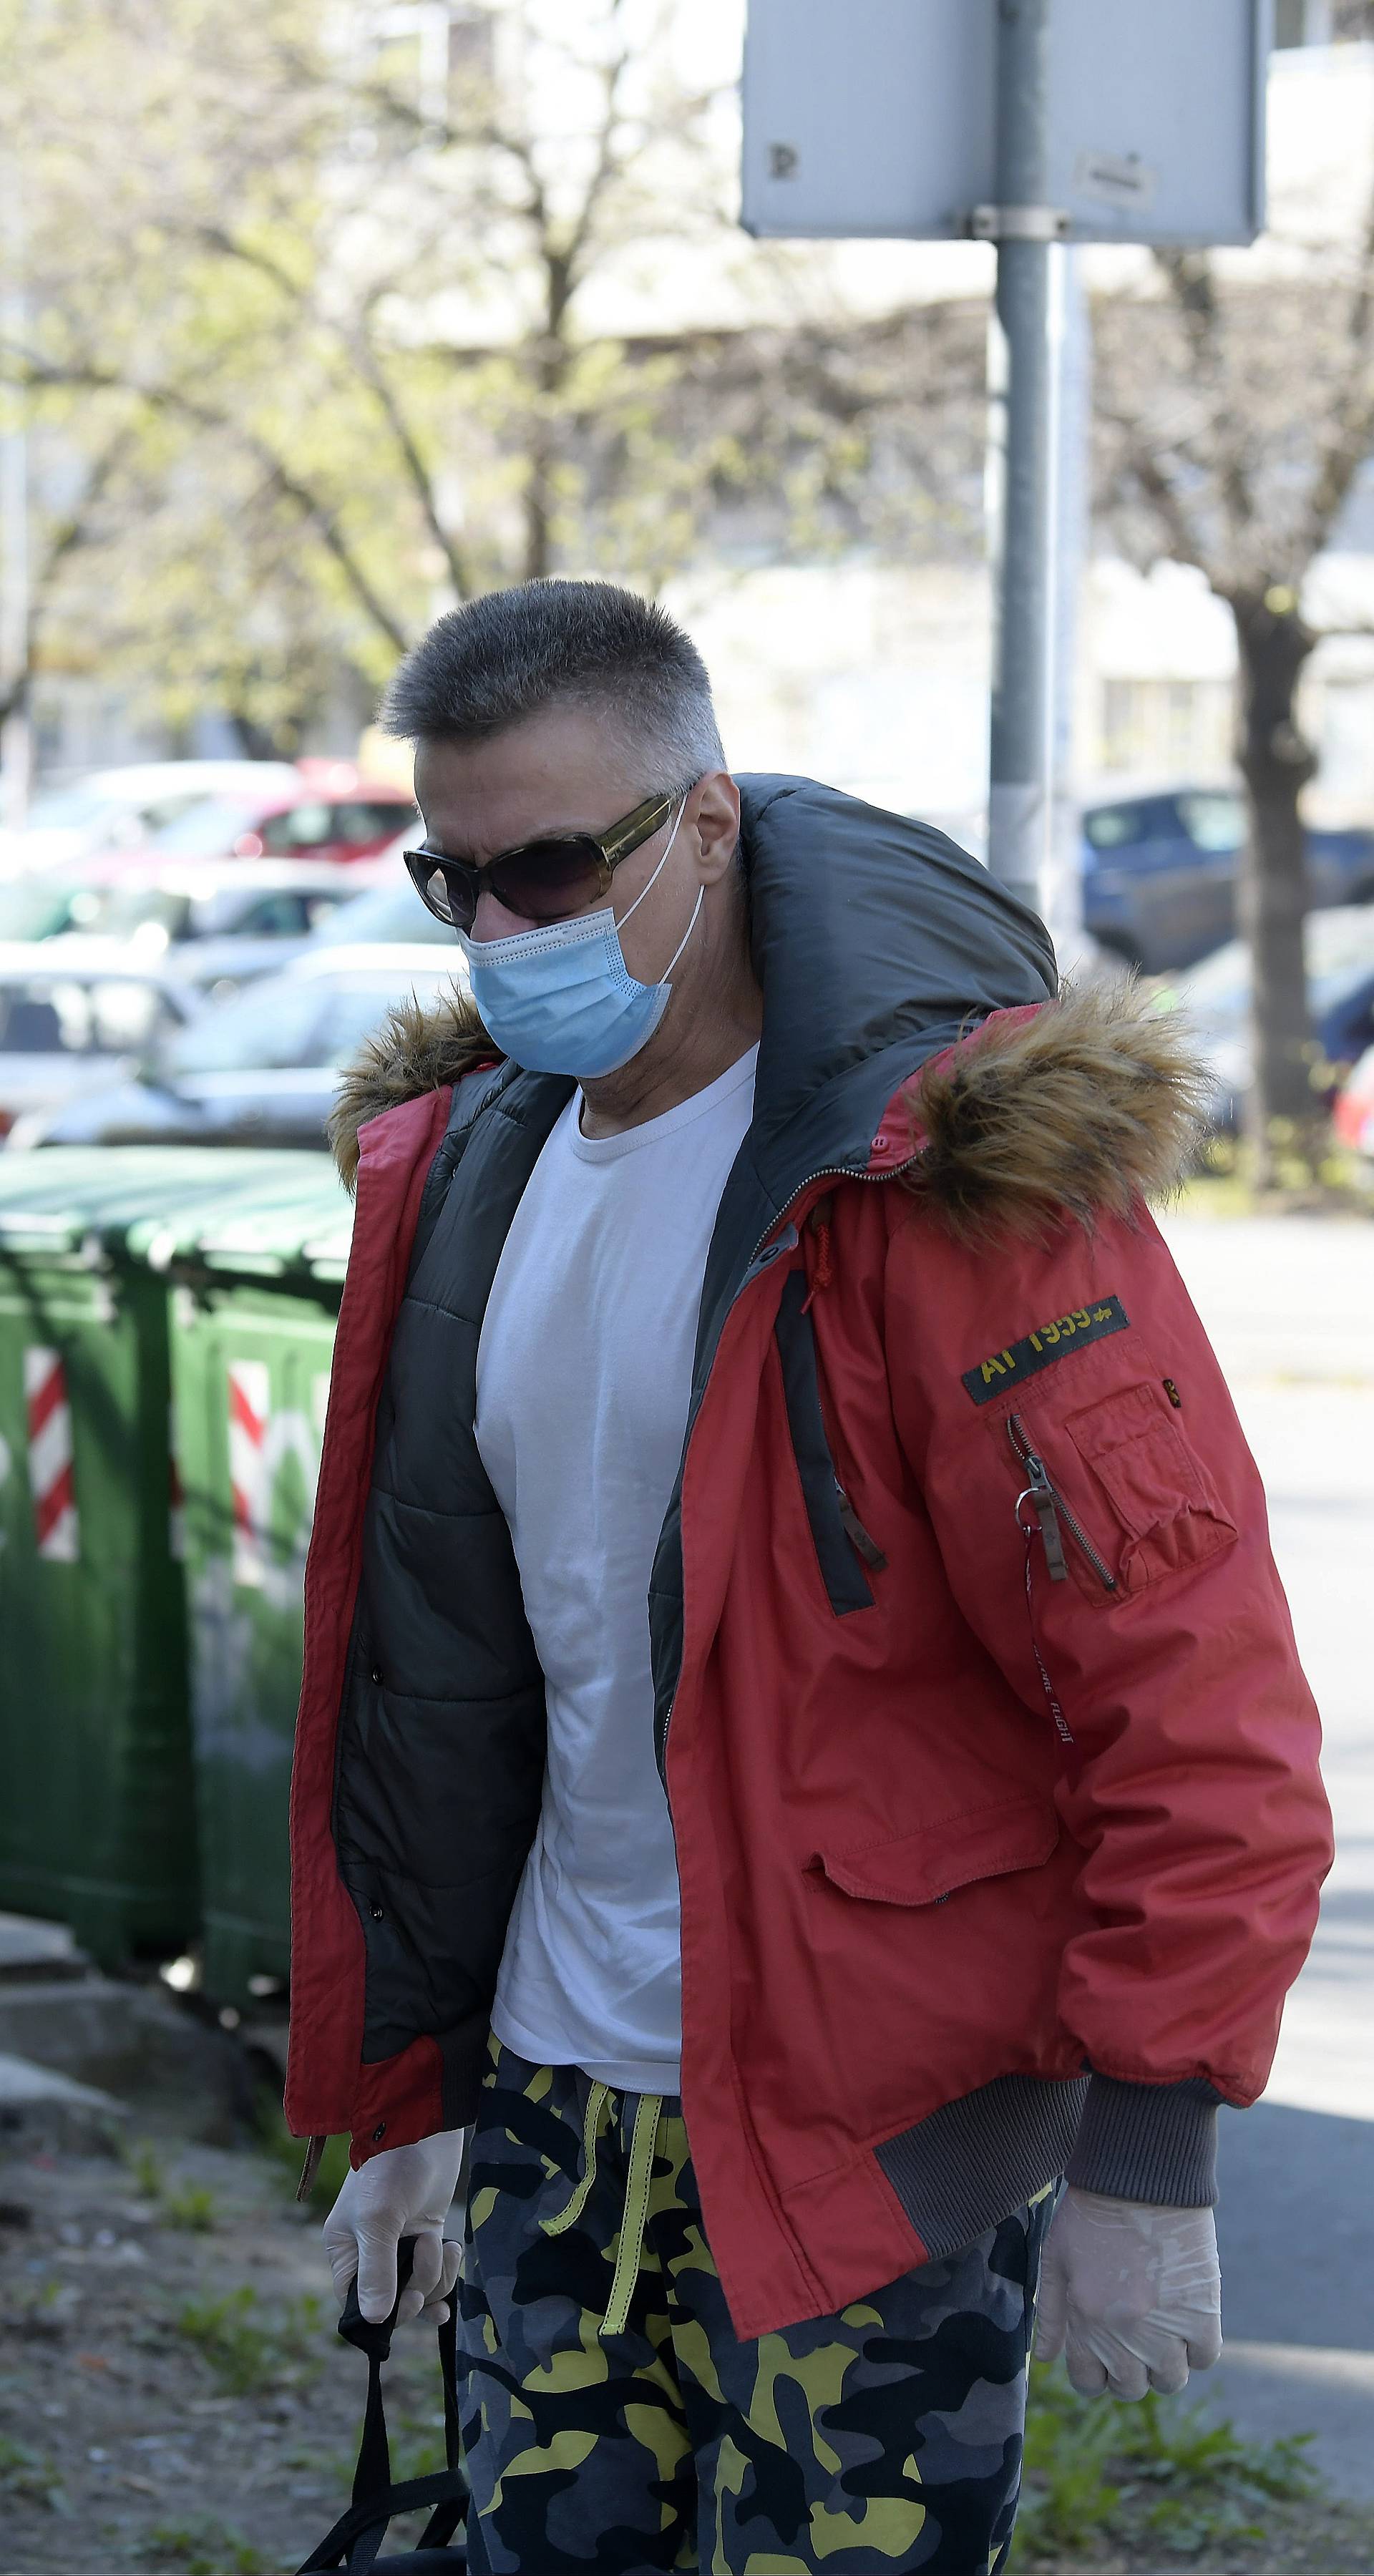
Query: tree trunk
551, 375
1283, 1117
538, 515
257, 742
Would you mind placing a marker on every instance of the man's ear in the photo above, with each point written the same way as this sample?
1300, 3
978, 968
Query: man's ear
717, 824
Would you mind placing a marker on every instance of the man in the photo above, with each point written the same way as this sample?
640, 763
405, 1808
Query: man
801, 1741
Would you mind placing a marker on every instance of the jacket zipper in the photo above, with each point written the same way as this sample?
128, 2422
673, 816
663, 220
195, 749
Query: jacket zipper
858, 1535
829, 1172
864, 1546
1050, 1509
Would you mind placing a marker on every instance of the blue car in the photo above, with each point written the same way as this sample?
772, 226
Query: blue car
1159, 873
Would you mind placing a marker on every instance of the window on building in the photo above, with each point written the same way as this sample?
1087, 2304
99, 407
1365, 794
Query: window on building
1177, 729
1322, 22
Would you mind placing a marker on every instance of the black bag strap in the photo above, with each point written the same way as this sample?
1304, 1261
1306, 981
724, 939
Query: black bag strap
357, 2536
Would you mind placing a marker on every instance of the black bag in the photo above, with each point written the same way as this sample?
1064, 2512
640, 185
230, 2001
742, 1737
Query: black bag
357, 2536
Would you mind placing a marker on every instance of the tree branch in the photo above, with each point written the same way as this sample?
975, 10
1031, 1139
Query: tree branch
66, 537
1345, 450
1192, 284
421, 483
1143, 464
173, 400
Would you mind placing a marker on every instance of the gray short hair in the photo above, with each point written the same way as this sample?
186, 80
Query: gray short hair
488, 666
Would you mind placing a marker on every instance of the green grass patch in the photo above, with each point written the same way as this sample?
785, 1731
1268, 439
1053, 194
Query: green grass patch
1102, 2475
189, 2205
252, 2347
146, 2167
30, 2478
1327, 1181
204, 2548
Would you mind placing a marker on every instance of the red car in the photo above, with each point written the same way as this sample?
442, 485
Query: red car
1353, 1112
333, 813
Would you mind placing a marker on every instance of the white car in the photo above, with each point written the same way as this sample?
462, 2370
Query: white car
77, 1015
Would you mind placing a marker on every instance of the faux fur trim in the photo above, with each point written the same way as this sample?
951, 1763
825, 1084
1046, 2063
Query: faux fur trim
1078, 1108
415, 1050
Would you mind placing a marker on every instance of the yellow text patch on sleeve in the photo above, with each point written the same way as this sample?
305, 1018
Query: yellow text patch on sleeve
1006, 1368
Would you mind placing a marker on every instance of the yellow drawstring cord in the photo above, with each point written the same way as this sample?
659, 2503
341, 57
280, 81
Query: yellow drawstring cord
597, 2100
638, 2184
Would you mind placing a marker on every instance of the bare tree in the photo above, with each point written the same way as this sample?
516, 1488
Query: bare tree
363, 320
1233, 420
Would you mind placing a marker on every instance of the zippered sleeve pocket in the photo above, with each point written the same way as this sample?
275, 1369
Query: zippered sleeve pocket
1165, 1513
843, 1546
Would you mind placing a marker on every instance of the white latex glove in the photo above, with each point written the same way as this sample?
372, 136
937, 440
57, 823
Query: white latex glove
1129, 2293
405, 2191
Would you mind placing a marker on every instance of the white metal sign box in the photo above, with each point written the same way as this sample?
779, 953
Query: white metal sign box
877, 117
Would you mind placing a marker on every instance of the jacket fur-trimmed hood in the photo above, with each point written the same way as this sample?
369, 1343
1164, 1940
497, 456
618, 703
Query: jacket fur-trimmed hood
881, 950
1076, 1108
417, 1049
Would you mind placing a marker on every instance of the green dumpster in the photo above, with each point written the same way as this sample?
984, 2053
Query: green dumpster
255, 1300
97, 1825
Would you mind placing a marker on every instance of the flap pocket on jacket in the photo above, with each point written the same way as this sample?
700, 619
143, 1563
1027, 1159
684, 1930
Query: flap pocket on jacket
1170, 1515
919, 1868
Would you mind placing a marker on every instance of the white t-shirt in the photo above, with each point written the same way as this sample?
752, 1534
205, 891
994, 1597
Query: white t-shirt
584, 1374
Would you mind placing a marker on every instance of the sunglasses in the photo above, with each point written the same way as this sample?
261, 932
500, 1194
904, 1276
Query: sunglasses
540, 880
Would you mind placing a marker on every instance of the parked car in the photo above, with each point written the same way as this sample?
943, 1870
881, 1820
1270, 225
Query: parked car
1215, 995
389, 912
262, 1068
354, 819
116, 809
1159, 873
217, 922
75, 1019
1353, 1115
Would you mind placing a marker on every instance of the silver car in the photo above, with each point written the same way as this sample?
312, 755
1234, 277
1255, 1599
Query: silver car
262, 1068
76, 1016
215, 924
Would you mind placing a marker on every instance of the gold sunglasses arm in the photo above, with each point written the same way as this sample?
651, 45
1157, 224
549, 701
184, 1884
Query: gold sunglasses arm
637, 827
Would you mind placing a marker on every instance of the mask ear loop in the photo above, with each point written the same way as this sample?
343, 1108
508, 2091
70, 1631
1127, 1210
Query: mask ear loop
644, 889
701, 894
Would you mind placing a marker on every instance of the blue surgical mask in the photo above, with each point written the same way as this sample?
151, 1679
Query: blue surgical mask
561, 999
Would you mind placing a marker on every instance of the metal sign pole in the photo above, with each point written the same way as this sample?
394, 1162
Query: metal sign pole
1023, 228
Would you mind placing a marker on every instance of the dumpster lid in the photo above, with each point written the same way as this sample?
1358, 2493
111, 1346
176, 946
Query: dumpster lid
257, 1212
58, 1197
292, 1216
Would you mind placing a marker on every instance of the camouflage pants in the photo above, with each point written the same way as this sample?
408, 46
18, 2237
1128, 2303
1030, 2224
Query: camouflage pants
887, 2437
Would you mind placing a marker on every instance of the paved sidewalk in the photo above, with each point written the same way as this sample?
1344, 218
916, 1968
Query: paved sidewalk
1290, 1306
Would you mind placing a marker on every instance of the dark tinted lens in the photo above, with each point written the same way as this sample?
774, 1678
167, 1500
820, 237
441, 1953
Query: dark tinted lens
443, 888
548, 880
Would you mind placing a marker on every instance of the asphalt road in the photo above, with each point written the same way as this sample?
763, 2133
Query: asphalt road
1290, 1307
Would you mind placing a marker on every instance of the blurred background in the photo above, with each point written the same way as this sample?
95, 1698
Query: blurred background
317, 318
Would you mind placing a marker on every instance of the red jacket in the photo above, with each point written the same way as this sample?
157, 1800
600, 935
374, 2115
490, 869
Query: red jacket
992, 1770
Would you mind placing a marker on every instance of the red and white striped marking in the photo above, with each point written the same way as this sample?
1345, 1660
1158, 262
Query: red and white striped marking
249, 1394
52, 1474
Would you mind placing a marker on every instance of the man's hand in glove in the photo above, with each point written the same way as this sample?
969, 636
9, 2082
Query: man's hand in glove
1130, 2294
406, 2191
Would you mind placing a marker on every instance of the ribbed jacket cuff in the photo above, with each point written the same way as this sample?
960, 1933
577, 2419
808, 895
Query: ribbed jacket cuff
1153, 2142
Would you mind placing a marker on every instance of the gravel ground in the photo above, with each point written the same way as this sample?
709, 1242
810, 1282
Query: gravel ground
173, 2396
